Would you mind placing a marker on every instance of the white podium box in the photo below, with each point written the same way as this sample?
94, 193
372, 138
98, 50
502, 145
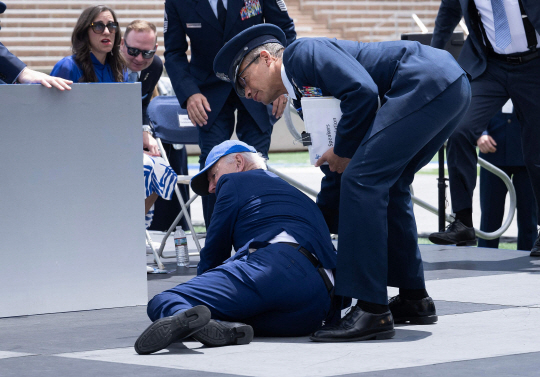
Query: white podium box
321, 117
71, 199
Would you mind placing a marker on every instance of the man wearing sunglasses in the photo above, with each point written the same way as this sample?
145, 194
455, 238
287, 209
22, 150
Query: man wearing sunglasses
13, 70
138, 48
211, 104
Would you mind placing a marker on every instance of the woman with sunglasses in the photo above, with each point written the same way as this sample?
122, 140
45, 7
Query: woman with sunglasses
95, 44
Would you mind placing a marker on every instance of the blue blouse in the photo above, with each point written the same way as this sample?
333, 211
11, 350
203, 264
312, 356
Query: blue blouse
68, 69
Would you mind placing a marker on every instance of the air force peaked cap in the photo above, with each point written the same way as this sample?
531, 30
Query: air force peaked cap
229, 58
199, 183
2, 7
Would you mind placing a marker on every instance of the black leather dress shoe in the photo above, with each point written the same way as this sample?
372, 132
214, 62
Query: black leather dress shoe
357, 325
166, 330
419, 312
535, 251
455, 234
222, 333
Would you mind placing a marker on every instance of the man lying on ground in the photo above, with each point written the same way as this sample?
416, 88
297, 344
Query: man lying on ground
278, 283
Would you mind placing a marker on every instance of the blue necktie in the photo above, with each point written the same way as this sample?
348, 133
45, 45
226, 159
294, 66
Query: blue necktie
133, 77
502, 30
222, 13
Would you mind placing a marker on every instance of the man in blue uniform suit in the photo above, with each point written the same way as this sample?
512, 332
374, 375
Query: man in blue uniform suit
423, 94
13, 70
501, 55
210, 103
501, 145
279, 281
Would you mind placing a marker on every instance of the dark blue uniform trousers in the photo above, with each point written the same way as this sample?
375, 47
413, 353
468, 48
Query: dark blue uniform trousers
378, 241
274, 289
247, 131
492, 197
490, 91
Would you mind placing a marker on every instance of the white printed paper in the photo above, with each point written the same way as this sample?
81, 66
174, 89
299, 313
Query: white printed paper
321, 117
184, 121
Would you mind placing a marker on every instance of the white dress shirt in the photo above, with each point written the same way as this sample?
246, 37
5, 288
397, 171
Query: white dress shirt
517, 31
287, 83
213, 4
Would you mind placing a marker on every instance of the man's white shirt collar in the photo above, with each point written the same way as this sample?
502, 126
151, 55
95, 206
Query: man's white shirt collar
287, 83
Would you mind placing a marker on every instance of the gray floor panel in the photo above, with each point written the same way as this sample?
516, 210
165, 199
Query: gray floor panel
51, 366
71, 332
524, 365
456, 307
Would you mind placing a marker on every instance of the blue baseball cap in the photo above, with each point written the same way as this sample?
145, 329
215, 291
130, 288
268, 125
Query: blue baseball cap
229, 58
199, 183
2, 7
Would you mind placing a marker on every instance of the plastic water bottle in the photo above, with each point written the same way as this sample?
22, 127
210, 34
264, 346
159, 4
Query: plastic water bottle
181, 247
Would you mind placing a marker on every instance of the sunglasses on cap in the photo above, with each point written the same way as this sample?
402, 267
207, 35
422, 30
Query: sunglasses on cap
99, 27
146, 54
240, 81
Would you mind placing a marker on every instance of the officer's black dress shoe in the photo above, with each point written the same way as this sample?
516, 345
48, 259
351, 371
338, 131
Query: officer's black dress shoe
357, 325
222, 333
420, 312
166, 330
535, 251
455, 234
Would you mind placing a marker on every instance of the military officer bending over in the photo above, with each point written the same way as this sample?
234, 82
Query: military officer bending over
423, 94
279, 281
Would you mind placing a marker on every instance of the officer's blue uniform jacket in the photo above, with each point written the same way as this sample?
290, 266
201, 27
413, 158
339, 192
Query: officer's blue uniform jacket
10, 66
423, 95
404, 75
196, 20
253, 207
473, 57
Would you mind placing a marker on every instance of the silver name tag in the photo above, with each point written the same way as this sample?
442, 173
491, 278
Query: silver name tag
193, 26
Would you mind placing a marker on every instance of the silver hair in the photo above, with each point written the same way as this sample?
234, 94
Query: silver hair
255, 160
275, 49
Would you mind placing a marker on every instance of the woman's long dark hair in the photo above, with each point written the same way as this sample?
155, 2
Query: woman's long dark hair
80, 45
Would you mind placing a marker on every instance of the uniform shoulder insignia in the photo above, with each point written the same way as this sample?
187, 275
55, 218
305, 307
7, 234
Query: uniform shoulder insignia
223, 77
281, 5
165, 22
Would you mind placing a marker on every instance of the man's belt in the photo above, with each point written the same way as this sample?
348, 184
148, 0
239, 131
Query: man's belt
520, 58
315, 263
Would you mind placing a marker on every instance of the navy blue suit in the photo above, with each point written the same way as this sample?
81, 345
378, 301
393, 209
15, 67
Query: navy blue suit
10, 66
196, 20
149, 78
275, 289
505, 130
423, 93
494, 81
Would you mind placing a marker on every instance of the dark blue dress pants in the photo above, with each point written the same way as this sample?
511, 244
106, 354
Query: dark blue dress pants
490, 92
492, 197
378, 241
275, 289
